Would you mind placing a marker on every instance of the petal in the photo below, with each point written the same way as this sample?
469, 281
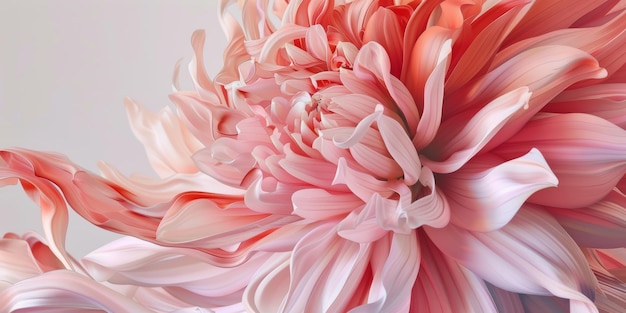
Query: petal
532, 254
600, 225
169, 145
319, 204
17, 262
395, 263
183, 273
485, 197
464, 135
586, 153
443, 285
325, 271
64, 291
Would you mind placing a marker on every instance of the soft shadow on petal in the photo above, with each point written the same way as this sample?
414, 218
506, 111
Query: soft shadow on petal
443, 285
486, 193
532, 254
586, 153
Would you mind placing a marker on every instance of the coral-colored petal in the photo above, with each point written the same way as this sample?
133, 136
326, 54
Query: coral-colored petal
586, 153
484, 197
532, 254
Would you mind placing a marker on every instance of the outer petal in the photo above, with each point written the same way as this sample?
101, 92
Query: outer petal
484, 197
600, 225
586, 153
16, 262
64, 291
532, 254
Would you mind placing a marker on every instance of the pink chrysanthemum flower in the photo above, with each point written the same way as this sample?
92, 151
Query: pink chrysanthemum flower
362, 156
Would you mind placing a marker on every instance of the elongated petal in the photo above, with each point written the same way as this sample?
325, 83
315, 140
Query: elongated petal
64, 291
485, 198
532, 254
319, 204
17, 262
443, 285
600, 225
395, 265
463, 136
586, 153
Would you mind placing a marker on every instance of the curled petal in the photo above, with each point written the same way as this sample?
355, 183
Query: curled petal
17, 262
532, 254
485, 198
586, 153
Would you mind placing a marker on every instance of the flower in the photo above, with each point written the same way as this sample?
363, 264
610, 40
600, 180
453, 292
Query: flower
362, 156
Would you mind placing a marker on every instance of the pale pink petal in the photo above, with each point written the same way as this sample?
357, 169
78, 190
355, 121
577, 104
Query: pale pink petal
586, 153
64, 291
532, 254
197, 70
443, 285
395, 263
17, 262
169, 145
183, 273
319, 204
607, 101
268, 288
325, 270
487, 193
600, 225
464, 135
364, 227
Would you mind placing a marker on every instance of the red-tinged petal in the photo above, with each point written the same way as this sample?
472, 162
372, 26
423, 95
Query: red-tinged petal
549, 15
443, 285
201, 222
183, 273
395, 263
607, 101
600, 225
169, 145
464, 135
308, 12
486, 194
532, 254
64, 291
385, 28
586, 153
319, 204
483, 45
433, 102
325, 271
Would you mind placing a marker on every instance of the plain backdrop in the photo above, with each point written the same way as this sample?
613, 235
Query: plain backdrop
65, 68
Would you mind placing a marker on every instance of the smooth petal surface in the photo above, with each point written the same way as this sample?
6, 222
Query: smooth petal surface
586, 153
484, 197
532, 255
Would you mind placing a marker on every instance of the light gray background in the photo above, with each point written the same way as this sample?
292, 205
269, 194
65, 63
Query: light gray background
65, 68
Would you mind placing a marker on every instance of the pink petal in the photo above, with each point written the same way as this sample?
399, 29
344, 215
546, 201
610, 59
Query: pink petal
17, 262
401, 148
395, 263
169, 145
443, 285
532, 254
268, 288
64, 291
319, 204
325, 271
464, 135
586, 153
183, 273
600, 225
485, 195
